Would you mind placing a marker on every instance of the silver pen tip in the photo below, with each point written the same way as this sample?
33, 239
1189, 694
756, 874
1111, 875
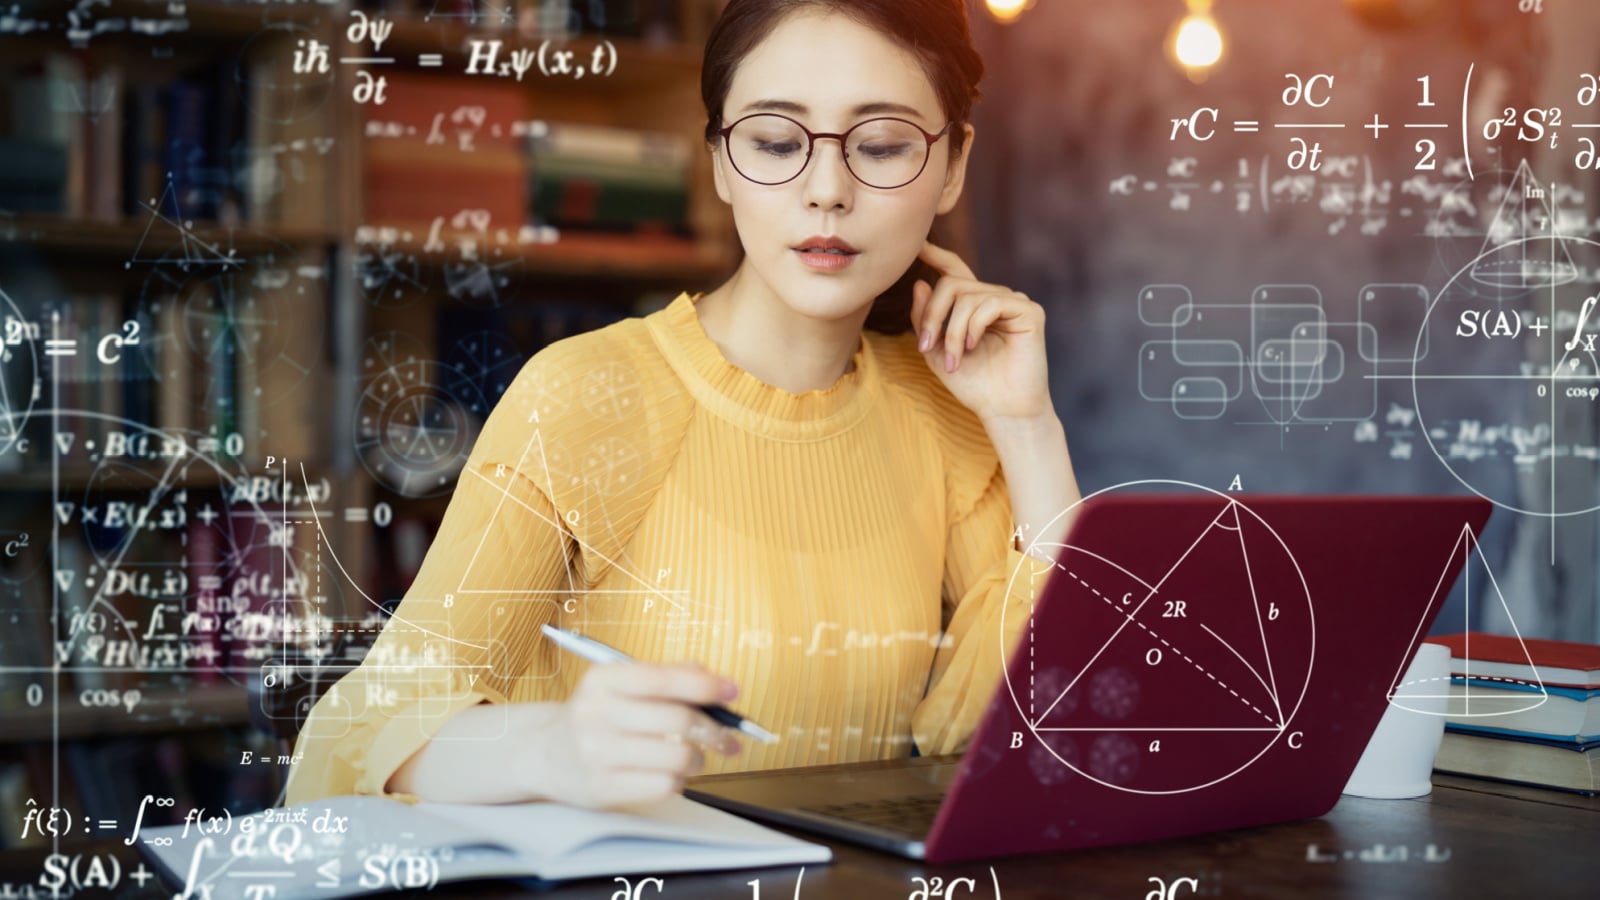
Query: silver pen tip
757, 732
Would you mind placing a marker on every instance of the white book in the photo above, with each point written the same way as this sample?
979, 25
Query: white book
352, 845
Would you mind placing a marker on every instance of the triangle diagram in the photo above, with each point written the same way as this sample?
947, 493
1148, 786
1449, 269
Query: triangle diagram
1186, 653
525, 526
192, 249
1472, 699
520, 523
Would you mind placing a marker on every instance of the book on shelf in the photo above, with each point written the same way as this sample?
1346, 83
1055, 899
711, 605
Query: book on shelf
415, 192
589, 201
174, 385
33, 175
144, 132
439, 145
607, 178
1498, 657
668, 151
186, 153
544, 841
42, 98
288, 149
1525, 759
102, 141
103, 128
186, 377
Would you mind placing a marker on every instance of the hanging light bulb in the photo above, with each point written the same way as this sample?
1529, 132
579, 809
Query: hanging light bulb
1196, 42
1007, 11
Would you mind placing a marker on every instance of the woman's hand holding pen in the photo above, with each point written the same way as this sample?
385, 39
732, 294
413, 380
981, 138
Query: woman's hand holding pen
984, 341
630, 733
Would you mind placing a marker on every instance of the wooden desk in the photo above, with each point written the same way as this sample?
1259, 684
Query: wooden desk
1488, 840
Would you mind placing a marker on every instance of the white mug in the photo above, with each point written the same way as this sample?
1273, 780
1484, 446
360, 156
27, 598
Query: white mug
1399, 759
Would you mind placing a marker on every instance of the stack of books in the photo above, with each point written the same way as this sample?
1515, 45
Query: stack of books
438, 146
1523, 710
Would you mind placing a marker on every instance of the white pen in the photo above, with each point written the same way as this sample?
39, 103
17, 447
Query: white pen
596, 652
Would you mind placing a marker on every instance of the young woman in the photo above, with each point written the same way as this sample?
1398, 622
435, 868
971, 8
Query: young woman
765, 503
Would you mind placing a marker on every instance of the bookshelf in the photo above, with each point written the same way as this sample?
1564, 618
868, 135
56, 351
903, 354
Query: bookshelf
225, 204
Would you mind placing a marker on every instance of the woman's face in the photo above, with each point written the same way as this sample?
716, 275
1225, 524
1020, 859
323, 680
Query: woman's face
823, 70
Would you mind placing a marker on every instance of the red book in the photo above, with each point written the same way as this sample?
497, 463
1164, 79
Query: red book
1498, 656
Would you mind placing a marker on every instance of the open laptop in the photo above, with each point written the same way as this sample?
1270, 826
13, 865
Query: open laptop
1196, 662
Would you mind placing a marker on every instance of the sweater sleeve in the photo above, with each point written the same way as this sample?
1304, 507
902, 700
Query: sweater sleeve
988, 594
567, 464
989, 585
464, 631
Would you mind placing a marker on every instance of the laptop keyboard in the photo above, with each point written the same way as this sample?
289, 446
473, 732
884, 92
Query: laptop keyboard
909, 815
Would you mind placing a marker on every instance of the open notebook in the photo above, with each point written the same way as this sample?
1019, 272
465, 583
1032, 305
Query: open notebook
359, 844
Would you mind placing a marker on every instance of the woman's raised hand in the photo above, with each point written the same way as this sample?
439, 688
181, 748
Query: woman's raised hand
984, 341
631, 733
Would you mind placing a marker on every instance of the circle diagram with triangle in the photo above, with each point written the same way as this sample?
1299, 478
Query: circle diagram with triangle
1181, 644
1514, 389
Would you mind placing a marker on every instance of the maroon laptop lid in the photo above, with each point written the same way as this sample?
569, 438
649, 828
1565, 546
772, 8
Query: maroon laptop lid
1202, 661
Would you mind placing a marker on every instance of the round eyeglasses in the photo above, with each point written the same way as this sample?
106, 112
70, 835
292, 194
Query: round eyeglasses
883, 153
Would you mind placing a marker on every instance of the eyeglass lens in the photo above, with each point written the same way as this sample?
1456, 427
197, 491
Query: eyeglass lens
882, 153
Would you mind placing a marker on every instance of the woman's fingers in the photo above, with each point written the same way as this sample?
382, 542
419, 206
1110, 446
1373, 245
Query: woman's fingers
636, 730
961, 312
657, 718
958, 334
985, 315
937, 309
663, 699
930, 314
957, 309
920, 291
651, 717
946, 261
648, 753
683, 682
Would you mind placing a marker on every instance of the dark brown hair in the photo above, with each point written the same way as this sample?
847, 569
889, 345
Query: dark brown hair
936, 32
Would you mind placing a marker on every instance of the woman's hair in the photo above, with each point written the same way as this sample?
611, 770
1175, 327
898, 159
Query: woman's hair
936, 32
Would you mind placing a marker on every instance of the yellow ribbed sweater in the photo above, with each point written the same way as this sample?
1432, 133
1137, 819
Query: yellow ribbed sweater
842, 554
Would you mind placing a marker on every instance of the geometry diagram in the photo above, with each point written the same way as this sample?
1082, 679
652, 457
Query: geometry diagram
1282, 356
1469, 698
1183, 664
415, 426
387, 276
224, 327
1519, 384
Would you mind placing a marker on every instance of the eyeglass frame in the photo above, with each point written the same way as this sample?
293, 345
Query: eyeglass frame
931, 137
